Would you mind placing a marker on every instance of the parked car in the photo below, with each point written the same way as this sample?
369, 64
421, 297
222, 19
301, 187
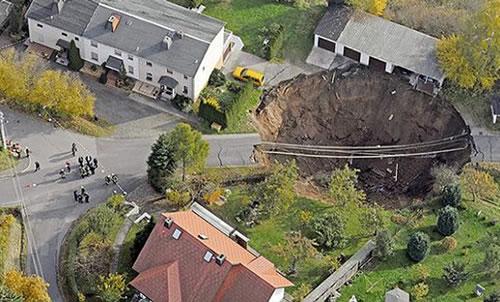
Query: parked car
249, 75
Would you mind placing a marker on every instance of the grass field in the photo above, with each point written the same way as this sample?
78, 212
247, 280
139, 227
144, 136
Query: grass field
5, 161
11, 241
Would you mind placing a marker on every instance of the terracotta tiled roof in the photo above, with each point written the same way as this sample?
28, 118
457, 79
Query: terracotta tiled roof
175, 270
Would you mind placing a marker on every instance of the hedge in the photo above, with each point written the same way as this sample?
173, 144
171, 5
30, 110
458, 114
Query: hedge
211, 115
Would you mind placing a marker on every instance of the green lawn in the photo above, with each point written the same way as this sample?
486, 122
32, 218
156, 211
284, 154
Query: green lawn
125, 261
5, 161
473, 235
272, 231
245, 18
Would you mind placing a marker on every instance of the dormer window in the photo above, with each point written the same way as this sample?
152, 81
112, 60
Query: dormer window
177, 234
208, 256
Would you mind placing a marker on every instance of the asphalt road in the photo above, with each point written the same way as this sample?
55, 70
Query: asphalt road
49, 200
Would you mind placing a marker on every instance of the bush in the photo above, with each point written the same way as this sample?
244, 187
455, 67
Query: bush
443, 176
102, 220
449, 243
454, 273
399, 219
115, 202
419, 291
210, 114
237, 113
329, 230
447, 223
103, 78
182, 103
494, 297
217, 78
384, 245
75, 61
140, 239
275, 36
451, 195
418, 246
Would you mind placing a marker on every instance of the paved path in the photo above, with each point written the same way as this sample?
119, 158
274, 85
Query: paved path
49, 202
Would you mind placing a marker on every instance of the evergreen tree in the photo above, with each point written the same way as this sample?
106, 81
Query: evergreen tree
75, 61
6, 295
140, 239
447, 223
384, 245
454, 273
418, 246
494, 297
161, 162
451, 195
329, 230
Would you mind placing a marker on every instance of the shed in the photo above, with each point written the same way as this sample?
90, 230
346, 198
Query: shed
495, 108
397, 295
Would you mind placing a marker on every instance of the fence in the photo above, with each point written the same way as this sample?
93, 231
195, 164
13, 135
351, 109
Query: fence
330, 285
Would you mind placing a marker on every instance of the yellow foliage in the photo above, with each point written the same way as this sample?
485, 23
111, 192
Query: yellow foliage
212, 101
449, 243
454, 63
480, 184
178, 199
420, 291
376, 7
305, 216
214, 196
63, 93
31, 288
422, 272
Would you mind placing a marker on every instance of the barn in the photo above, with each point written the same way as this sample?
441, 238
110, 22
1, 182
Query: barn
380, 44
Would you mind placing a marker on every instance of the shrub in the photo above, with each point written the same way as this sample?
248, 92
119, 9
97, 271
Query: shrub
443, 176
384, 245
493, 297
275, 36
491, 262
422, 272
399, 219
75, 61
211, 114
111, 288
343, 186
418, 246
237, 113
140, 239
276, 193
449, 243
102, 220
419, 291
177, 198
301, 292
217, 78
182, 103
329, 230
375, 7
447, 223
454, 273
115, 202
451, 195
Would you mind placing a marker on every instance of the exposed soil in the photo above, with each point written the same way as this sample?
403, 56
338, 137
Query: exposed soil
361, 108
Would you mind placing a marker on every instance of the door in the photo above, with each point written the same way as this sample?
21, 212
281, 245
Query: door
352, 54
325, 44
376, 64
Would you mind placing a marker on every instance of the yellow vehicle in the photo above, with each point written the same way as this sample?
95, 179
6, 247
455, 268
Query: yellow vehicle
249, 75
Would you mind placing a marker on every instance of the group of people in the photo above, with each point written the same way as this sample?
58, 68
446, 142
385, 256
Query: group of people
81, 196
87, 165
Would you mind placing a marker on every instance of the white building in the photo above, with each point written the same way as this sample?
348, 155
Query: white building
379, 44
154, 41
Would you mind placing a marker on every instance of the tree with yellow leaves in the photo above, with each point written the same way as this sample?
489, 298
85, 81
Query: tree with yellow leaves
111, 287
31, 288
17, 74
472, 59
376, 7
479, 184
63, 93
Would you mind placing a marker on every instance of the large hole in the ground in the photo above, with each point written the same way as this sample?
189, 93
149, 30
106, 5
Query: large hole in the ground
363, 108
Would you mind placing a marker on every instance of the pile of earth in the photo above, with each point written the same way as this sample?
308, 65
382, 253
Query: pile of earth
360, 107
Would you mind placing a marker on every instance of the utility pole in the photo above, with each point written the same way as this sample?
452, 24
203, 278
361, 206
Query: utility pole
2, 130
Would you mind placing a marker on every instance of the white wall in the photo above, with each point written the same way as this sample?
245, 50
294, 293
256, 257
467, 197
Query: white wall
364, 59
48, 35
278, 295
339, 48
212, 57
389, 67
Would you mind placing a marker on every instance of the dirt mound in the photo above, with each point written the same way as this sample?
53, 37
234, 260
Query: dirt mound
362, 108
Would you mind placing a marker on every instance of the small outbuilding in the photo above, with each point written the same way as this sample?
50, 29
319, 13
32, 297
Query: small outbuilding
495, 108
381, 45
397, 295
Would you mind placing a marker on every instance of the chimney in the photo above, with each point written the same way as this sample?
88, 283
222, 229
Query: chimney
168, 223
113, 22
240, 239
167, 42
220, 259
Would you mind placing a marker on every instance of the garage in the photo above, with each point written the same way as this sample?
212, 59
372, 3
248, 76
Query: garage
376, 64
352, 54
325, 44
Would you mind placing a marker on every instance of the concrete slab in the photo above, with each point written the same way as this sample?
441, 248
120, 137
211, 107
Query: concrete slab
320, 57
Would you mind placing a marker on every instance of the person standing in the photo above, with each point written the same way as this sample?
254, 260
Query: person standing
80, 161
95, 162
68, 167
75, 195
88, 159
86, 197
37, 166
62, 174
27, 153
92, 169
73, 149
82, 189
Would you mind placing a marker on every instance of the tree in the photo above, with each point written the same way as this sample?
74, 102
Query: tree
443, 176
343, 186
481, 185
6, 295
384, 245
161, 162
301, 292
31, 288
295, 249
451, 195
372, 220
111, 288
217, 78
75, 61
418, 246
190, 148
277, 192
449, 243
140, 239
454, 273
494, 297
63, 93
491, 262
447, 223
419, 291
472, 59
329, 230
102, 220
17, 75
375, 7
178, 198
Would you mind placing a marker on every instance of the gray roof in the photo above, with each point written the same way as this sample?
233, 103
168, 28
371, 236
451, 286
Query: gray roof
144, 39
168, 81
74, 17
171, 16
397, 295
382, 39
5, 8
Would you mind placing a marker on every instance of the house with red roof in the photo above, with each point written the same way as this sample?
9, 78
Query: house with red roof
194, 256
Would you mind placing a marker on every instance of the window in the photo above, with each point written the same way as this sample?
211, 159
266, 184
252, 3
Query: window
130, 57
208, 256
94, 56
149, 64
118, 53
169, 71
93, 44
39, 25
64, 34
185, 90
185, 77
77, 39
131, 69
177, 234
149, 76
